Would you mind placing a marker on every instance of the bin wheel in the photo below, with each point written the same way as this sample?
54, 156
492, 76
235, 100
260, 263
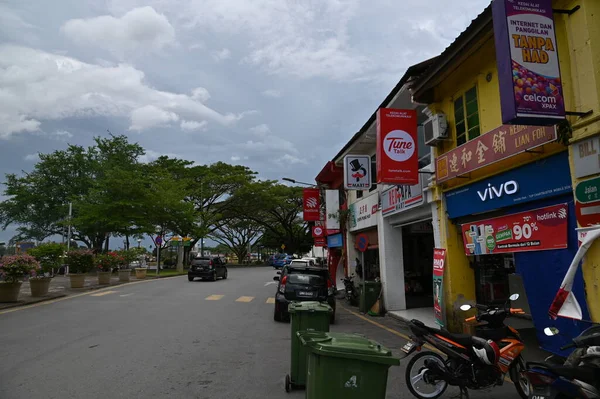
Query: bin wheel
288, 383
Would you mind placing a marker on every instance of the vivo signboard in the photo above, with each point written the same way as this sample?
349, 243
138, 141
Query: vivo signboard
516, 186
531, 91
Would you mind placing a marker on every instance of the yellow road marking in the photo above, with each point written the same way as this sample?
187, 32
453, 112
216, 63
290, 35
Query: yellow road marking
35, 305
214, 297
103, 293
406, 337
245, 299
271, 300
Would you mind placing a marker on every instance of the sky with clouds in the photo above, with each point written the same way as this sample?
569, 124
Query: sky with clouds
277, 85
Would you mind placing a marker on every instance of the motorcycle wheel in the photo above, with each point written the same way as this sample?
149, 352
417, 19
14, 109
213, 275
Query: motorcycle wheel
416, 377
517, 377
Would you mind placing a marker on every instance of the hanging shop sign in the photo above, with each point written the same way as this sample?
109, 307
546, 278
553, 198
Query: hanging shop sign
320, 242
535, 230
317, 231
527, 58
397, 155
516, 186
332, 209
586, 158
363, 213
401, 198
439, 260
587, 202
311, 204
335, 241
357, 172
493, 146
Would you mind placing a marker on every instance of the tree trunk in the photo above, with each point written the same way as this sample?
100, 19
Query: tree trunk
127, 242
107, 242
241, 254
180, 259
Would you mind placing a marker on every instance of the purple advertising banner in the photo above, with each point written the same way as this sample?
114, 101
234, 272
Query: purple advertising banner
528, 71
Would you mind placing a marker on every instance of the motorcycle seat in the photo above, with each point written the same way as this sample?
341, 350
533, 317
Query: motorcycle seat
581, 373
465, 340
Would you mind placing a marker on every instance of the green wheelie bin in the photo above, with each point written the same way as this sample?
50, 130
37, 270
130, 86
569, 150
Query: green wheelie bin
309, 315
369, 295
345, 366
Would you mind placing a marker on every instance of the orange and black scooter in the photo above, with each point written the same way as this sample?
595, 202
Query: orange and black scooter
469, 362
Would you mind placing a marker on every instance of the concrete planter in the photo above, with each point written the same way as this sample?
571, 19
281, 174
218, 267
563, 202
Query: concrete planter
124, 275
9, 292
140, 272
77, 280
104, 278
39, 286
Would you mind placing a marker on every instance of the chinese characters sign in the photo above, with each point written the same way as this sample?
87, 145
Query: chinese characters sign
363, 213
439, 259
535, 230
527, 57
357, 172
400, 198
496, 145
397, 155
311, 203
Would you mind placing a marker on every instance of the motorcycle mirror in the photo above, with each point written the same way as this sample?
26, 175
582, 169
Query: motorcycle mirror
465, 307
514, 297
550, 331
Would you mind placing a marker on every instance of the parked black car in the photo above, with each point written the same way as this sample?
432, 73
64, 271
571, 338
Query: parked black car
210, 267
302, 284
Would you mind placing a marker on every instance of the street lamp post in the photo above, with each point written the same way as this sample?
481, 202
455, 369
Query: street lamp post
298, 182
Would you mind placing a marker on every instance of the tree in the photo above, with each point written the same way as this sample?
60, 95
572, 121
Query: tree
277, 209
237, 235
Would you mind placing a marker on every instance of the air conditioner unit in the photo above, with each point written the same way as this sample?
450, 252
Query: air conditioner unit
435, 129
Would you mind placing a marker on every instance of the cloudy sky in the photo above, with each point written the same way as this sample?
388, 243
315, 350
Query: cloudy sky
276, 85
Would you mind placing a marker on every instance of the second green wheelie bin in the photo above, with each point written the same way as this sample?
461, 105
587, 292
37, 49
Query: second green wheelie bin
369, 294
345, 366
308, 315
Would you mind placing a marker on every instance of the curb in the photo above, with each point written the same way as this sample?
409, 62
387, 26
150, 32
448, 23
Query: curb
32, 302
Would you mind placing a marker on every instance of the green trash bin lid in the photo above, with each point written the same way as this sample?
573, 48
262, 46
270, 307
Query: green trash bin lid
349, 346
309, 306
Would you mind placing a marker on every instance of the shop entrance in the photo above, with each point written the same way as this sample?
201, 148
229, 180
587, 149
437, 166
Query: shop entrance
492, 277
418, 245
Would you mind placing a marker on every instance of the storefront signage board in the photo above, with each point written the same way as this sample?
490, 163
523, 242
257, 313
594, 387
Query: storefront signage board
536, 230
586, 158
357, 172
401, 198
332, 209
311, 204
516, 186
493, 146
527, 58
335, 241
320, 242
397, 154
363, 213
587, 202
439, 260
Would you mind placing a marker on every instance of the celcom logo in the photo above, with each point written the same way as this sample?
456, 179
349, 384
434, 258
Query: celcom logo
399, 145
311, 202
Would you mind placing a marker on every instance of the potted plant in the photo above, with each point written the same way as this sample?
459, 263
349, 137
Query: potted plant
131, 256
125, 258
12, 270
105, 263
80, 262
49, 257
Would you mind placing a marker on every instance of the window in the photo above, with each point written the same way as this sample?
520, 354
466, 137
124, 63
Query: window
373, 173
466, 116
424, 150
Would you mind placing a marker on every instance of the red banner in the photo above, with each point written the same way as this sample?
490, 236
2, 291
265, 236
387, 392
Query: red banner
496, 145
397, 154
536, 230
311, 202
439, 260
320, 242
317, 231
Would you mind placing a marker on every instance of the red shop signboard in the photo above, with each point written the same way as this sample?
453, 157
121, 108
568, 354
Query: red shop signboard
397, 153
311, 204
535, 230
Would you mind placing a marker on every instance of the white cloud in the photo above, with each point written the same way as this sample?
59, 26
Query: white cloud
31, 157
193, 125
261, 130
150, 116
38, 86
139, 30
200, 94
272, 93
62, 134
291, 160
222, 55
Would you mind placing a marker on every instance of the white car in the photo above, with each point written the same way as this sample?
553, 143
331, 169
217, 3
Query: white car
306, 262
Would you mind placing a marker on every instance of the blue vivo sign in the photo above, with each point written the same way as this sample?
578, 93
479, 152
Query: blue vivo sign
534, 181
335, 241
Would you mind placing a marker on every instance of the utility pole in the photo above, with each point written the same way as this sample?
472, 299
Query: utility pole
202, 217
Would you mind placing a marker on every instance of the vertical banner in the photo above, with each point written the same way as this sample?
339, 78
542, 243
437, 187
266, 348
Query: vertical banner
439, 259
397, 155
332, 209
357, 172
311, 204
527, 57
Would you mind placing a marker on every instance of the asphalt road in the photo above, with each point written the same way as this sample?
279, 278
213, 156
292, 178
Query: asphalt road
164, 338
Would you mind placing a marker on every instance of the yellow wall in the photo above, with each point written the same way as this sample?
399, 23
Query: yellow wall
583, 32
578, 74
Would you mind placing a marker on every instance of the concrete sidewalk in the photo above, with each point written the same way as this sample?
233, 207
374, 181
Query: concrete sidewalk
60, 286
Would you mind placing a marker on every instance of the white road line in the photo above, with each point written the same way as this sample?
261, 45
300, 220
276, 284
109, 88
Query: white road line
270, 282
127, 294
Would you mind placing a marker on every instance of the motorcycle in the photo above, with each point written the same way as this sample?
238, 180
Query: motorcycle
352, 294
577, 377
470, 362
